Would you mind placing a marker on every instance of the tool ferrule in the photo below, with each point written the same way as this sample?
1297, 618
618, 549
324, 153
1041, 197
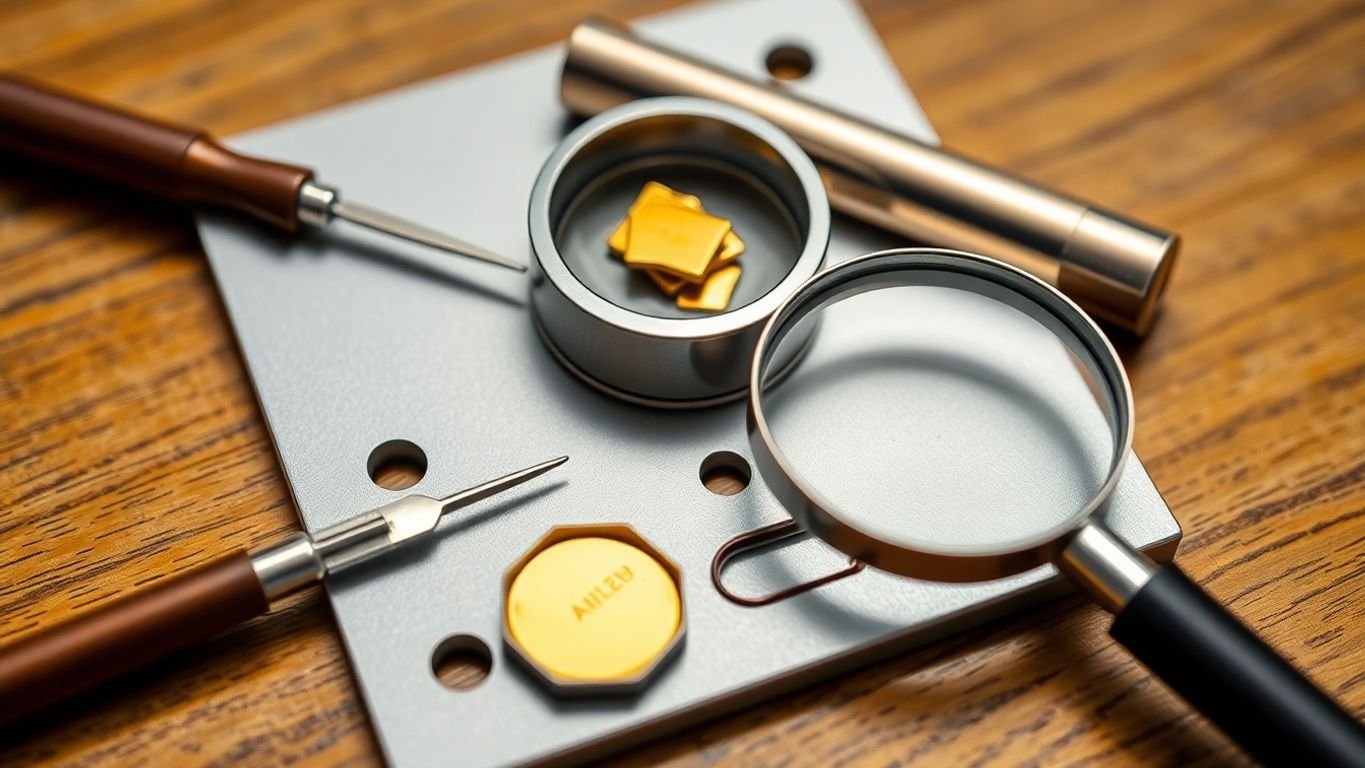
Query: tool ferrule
315, 203
288, 566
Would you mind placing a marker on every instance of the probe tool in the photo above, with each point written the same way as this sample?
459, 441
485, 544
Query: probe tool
60, 661
188, 166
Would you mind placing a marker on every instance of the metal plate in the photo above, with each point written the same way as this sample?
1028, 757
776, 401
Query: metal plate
353, 340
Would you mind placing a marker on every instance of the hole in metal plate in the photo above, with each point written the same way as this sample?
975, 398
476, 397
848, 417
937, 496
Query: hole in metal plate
725, 473
461, 662
397, 464
789, 62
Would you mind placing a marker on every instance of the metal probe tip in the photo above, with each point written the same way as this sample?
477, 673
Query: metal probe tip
387, 223
319, 204
416, 515
493, 487
301, 559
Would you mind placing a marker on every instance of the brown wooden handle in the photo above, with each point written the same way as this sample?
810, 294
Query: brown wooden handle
54, 663
181, 163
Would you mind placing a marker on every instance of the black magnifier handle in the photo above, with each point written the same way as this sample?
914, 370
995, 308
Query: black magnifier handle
1212, 660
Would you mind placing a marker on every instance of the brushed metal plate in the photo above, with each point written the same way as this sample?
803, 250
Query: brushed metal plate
352, 340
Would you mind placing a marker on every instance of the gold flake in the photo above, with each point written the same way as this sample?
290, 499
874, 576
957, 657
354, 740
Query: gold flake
689, 253
666, 282
652, 192
675, 240
713, 295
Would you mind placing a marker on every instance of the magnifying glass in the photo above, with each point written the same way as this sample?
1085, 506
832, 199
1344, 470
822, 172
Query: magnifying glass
981, 460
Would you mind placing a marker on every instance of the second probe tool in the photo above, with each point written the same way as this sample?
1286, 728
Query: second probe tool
188, 166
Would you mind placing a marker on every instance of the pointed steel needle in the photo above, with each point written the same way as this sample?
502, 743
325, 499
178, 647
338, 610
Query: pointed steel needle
416, 515
303, 559
387, 223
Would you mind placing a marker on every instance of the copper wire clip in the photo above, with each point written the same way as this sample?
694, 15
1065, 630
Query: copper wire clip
759, 538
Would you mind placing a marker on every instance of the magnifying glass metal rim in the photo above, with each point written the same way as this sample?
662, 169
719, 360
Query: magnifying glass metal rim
948, 268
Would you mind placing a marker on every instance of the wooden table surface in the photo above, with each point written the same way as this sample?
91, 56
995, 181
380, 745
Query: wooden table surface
131, 445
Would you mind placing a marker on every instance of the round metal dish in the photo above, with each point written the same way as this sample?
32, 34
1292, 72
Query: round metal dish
610, 326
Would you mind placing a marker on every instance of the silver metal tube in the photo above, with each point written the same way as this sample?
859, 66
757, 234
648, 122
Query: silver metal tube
352, 541
288, 566
315, 203
1113, 267
1110, 570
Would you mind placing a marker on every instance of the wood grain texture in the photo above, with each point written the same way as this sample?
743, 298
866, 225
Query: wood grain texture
131, 446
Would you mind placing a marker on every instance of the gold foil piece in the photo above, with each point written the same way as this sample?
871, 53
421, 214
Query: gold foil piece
652, 192
666, 282
713, 295
729, 252
676, 240
683, 249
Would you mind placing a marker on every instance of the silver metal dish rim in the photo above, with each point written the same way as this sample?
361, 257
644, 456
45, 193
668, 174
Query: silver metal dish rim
552, 264
654, 402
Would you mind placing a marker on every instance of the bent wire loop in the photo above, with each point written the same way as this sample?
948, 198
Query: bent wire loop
757, 539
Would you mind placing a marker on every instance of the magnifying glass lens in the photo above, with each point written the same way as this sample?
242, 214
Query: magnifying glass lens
943, 420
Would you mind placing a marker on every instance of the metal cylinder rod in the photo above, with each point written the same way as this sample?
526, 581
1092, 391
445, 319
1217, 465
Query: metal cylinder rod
1109, 570
1114, 267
